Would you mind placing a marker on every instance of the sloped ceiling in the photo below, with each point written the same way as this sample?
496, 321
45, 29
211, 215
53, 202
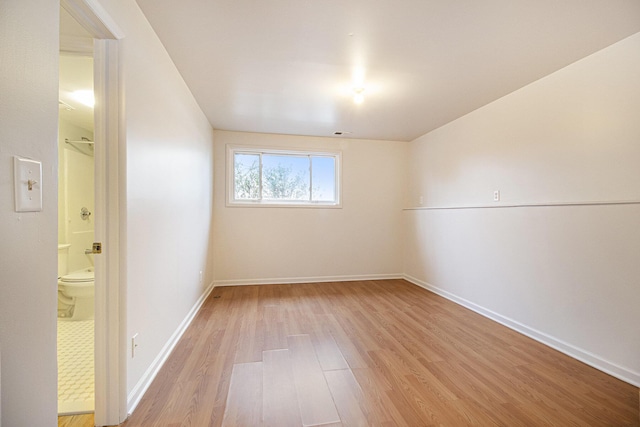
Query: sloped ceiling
290, 66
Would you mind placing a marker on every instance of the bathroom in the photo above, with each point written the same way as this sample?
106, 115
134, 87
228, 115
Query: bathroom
76, 389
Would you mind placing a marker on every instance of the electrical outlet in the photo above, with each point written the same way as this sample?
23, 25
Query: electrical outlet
421, 201
134, 345
496, 196
201, 277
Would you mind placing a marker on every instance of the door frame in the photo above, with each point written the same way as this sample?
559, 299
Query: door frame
110, 204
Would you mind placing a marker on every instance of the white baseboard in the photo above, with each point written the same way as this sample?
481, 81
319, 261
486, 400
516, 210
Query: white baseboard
143, 384
316, 279
589, 358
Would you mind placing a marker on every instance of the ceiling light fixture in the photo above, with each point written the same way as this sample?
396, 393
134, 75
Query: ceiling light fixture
358, 95
85, 97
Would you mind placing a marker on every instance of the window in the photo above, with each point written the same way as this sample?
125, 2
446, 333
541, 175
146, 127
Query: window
282, 178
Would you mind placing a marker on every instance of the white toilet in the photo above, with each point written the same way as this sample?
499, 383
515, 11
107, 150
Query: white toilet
75, 290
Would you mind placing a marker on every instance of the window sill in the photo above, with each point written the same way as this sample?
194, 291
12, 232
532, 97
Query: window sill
283, 205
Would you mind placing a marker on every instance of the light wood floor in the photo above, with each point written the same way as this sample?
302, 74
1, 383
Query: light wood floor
84, 420
383, 353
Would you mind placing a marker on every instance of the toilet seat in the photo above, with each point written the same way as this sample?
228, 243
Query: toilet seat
78, 276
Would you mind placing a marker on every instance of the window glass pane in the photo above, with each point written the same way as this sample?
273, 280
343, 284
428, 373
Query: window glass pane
277, 177
246, 176
285, 177
324, 176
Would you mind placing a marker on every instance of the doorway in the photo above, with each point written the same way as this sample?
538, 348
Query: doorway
87, 30
76, 234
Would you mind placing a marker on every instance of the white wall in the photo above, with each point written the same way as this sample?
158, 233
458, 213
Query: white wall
168, 212
565, 274
28, 247
169, 149
72, 132
75, 191
362, 239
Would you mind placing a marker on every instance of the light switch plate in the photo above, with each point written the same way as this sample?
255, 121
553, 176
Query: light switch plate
27, 176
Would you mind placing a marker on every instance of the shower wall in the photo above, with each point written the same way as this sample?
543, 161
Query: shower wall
76, 190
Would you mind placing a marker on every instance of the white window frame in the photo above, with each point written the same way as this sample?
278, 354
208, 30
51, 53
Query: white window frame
230, 176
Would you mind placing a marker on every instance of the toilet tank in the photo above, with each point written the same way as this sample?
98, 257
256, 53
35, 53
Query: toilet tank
63, 259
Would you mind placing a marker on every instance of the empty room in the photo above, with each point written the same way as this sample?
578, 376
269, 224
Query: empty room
323, 213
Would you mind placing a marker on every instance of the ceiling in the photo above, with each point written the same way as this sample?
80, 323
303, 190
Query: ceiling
76, 74
289, 66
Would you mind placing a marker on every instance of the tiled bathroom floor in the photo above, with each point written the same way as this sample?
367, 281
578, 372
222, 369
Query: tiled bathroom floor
75, 367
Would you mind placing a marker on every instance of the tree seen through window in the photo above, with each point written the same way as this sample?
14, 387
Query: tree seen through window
284, 177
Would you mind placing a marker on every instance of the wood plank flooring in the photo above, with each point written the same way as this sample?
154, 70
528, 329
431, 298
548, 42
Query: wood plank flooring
83, 420
369, 353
